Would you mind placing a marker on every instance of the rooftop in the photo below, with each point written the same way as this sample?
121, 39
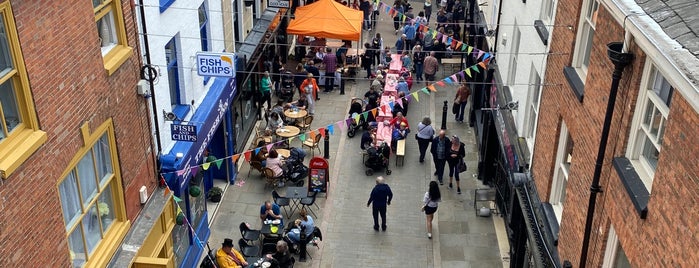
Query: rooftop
679, 19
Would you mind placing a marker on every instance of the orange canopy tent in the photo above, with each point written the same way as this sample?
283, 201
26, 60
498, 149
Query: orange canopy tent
327, 19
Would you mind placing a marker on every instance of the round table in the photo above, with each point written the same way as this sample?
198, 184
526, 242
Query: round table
288, 131
283, 152
295, 114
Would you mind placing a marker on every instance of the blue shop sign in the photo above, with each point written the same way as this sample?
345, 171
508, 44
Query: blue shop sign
183, 132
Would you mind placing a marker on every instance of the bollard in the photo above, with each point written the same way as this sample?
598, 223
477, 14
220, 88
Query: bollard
444, 114
326, 146
342, 85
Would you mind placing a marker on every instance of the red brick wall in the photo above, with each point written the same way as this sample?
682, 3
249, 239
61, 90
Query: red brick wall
60, 47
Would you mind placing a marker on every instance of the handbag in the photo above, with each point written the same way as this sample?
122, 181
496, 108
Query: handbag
418, 131
462, 166
455, 108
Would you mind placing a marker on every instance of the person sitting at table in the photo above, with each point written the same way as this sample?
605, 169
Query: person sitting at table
304, 224
368, 138
320, 55
279, 108
402, 86
300, 104
274, 162
260, 155
371, 97
398, 134
377, 83
275, 122
396, 121
229, 257
281, 258
271, 211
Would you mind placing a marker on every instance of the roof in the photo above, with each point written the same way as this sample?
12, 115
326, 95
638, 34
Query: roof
327, 19
679, 19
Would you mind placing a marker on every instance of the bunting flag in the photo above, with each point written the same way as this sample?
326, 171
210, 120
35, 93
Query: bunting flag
218, 163
195, 169
322, 132
235, 158
180, 172
463, 47
461, 73
390, 104
482, 64
454, 78
454, 43
387, 9
291, 139
330, 129
257, 150
400, 102
205, 166
424, 90
459, 45
439, 83
415, 96
444, 38
403, 18
447, 80
475, 68
302, 137
487, 55
365, 115
384, 109
470, 48
313, 135
480, 53
247, 155
177, 199
434, 34
374, 111
348, 122
439, 35
468, 72
167, 192
408, 98
269, 146
448, 40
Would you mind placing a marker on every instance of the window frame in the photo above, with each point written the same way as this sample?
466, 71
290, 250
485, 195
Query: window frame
579, 56
117, 55
533, 104
547, 9
26, 137
637, 133
558, 187
118, 229
611, 252
514, 53
204, 31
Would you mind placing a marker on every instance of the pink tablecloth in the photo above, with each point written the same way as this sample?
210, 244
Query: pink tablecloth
396, 63
385, 100
390, 87
383, 134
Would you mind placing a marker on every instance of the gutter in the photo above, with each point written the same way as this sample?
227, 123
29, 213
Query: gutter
676, 63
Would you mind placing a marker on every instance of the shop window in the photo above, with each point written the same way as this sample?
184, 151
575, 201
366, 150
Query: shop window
649, 122
533, 103
562, 169
586, 31
91, 198
614, 255
180, 234
112, 35
19, 127
516, 36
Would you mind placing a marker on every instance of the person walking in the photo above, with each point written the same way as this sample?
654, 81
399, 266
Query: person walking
380, 197
440, 149
461, 98
430, 202
428, 9
366, 9
309, 88
424, 135
367, 59
431, 67
266, 90
300, 75
456, 156
418, 60
401, 44
377, 47
330, 61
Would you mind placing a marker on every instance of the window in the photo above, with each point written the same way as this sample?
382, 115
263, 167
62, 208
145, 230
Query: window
173, 75
111, 32
164, 4
614, 255
20, 136
648, 125
92, 199
516, 36
203, 31
547, 9
583, 44
533, 107
560, 174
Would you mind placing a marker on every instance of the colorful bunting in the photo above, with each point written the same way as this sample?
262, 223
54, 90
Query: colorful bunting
470, 48
487, 55
235, 158
331, 130
322, 132
475, 68
302, 137
464, 47
454, 78
257, 150
269, 146
218, 163
468, 72
482, 64
206, 165
461, 73
480, 53
415, 96
390, 104
374, 111
439, 83
424, 90
447, 80
195, 169
247, 155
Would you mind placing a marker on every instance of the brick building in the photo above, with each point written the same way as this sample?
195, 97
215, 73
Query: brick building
75, 147
645, 214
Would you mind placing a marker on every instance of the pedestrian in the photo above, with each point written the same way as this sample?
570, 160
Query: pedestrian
330, 61
309, 88
461, 98
430, 203
266, 90
406, 60
398, 7
456, 156
431, 67
300, 75
418, 60
424, 135
401, 44
380, 197
367, 59
376, 46
439, 149
365, 6
410, 31
428, 9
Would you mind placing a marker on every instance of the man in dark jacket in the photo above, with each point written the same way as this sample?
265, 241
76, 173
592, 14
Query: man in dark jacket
439, 149
381, 197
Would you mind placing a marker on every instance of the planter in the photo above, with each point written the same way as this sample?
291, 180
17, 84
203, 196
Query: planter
215, 194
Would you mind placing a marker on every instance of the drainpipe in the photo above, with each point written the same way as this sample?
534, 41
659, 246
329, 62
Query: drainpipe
616, 51
149, 74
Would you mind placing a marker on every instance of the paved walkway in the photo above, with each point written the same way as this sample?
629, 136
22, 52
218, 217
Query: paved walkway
461, 239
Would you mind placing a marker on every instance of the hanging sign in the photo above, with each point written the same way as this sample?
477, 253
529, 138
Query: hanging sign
278, 3
216, 64
180, 132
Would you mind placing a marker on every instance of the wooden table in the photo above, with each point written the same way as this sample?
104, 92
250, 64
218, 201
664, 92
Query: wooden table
355, 52
451, 62
288, 131
295, 114
283, 152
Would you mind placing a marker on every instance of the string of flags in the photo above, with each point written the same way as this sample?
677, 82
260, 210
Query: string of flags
344, 124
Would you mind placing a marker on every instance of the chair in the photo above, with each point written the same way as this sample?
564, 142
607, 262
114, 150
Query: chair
256, 165
307, 202
270, 179
269, 248
313, 144
312, 240
305, 124
282, 202
250, 235
248, 250
260, 135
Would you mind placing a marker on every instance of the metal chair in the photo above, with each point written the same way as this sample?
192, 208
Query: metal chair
248, 250
313, 144
255, 165
250, 235
307, 202
305, 124
270, 179
282, 202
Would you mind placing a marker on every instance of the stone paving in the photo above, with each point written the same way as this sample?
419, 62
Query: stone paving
460, 238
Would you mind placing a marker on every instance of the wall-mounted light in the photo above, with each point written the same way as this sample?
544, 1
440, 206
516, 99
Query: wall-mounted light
178, 156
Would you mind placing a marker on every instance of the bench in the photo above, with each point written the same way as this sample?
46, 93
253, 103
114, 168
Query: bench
400, 151
451, 62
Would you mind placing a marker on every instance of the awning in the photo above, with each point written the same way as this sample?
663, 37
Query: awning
327, 19
254, 38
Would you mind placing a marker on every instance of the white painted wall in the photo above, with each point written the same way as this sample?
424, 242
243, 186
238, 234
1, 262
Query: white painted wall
531, 52
181, 19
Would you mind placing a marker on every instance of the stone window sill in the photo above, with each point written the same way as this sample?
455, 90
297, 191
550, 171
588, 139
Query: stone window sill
635, 188
575, 82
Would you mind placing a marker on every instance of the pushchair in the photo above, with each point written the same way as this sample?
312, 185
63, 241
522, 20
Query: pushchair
295, 171
376, 158
357, 107
286, 90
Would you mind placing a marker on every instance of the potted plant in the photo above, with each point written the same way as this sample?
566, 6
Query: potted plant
194, 191
215, 194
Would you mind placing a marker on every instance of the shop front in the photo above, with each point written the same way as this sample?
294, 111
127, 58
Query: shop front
189, 181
